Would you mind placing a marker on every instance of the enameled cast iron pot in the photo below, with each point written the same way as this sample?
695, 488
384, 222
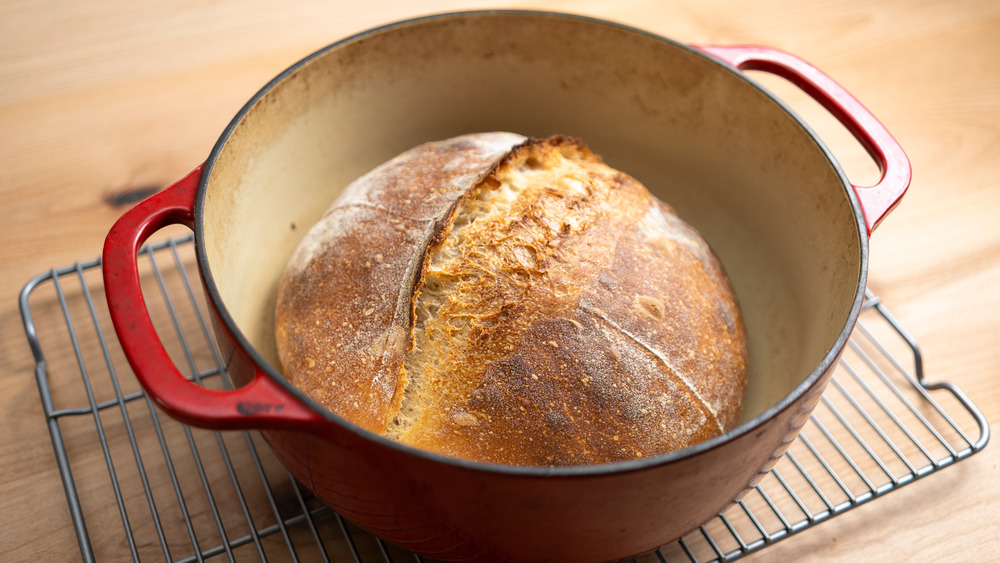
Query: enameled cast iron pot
734, 161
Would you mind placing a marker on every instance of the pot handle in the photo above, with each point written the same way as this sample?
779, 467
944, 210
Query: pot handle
261, 404
876, 201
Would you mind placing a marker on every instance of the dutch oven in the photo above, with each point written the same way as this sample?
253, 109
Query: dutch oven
733, 160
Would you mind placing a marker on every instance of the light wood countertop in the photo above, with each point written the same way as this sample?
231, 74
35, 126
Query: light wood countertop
105, 98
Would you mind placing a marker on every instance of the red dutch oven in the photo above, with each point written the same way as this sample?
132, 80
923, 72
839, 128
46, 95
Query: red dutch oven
734, 161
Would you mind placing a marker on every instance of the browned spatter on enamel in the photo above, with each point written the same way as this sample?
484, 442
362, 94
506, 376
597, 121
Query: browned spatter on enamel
548, 311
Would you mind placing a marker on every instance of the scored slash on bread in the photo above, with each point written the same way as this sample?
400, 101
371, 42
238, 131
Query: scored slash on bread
514, 301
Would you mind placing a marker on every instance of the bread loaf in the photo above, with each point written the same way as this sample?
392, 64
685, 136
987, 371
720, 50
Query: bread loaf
514, 301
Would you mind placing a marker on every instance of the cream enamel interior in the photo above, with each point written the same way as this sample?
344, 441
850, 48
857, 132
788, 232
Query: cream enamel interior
732, 162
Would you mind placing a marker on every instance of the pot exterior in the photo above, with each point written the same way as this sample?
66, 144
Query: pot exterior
453, 512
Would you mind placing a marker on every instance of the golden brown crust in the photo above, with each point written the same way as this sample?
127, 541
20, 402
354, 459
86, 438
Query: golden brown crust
345, 298
557, 314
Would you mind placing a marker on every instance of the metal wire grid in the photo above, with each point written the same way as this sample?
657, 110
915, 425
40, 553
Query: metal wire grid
184, 494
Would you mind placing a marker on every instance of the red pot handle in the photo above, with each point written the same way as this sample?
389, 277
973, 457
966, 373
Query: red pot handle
876, 201
261, 404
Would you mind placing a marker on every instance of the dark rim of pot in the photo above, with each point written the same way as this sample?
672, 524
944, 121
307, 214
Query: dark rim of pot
826, 364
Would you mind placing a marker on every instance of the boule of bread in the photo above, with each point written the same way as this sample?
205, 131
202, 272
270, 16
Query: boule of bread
515, 301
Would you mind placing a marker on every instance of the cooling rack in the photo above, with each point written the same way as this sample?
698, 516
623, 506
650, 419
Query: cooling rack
142, 486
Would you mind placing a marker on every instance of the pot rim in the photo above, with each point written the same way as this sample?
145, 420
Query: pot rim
593, 470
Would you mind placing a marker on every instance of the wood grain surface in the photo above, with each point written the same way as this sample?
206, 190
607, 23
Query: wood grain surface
107, 100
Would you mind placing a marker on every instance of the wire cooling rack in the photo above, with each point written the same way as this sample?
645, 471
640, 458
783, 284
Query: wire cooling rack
143, 486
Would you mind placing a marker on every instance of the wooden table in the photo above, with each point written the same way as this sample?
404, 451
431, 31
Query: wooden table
102, 100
